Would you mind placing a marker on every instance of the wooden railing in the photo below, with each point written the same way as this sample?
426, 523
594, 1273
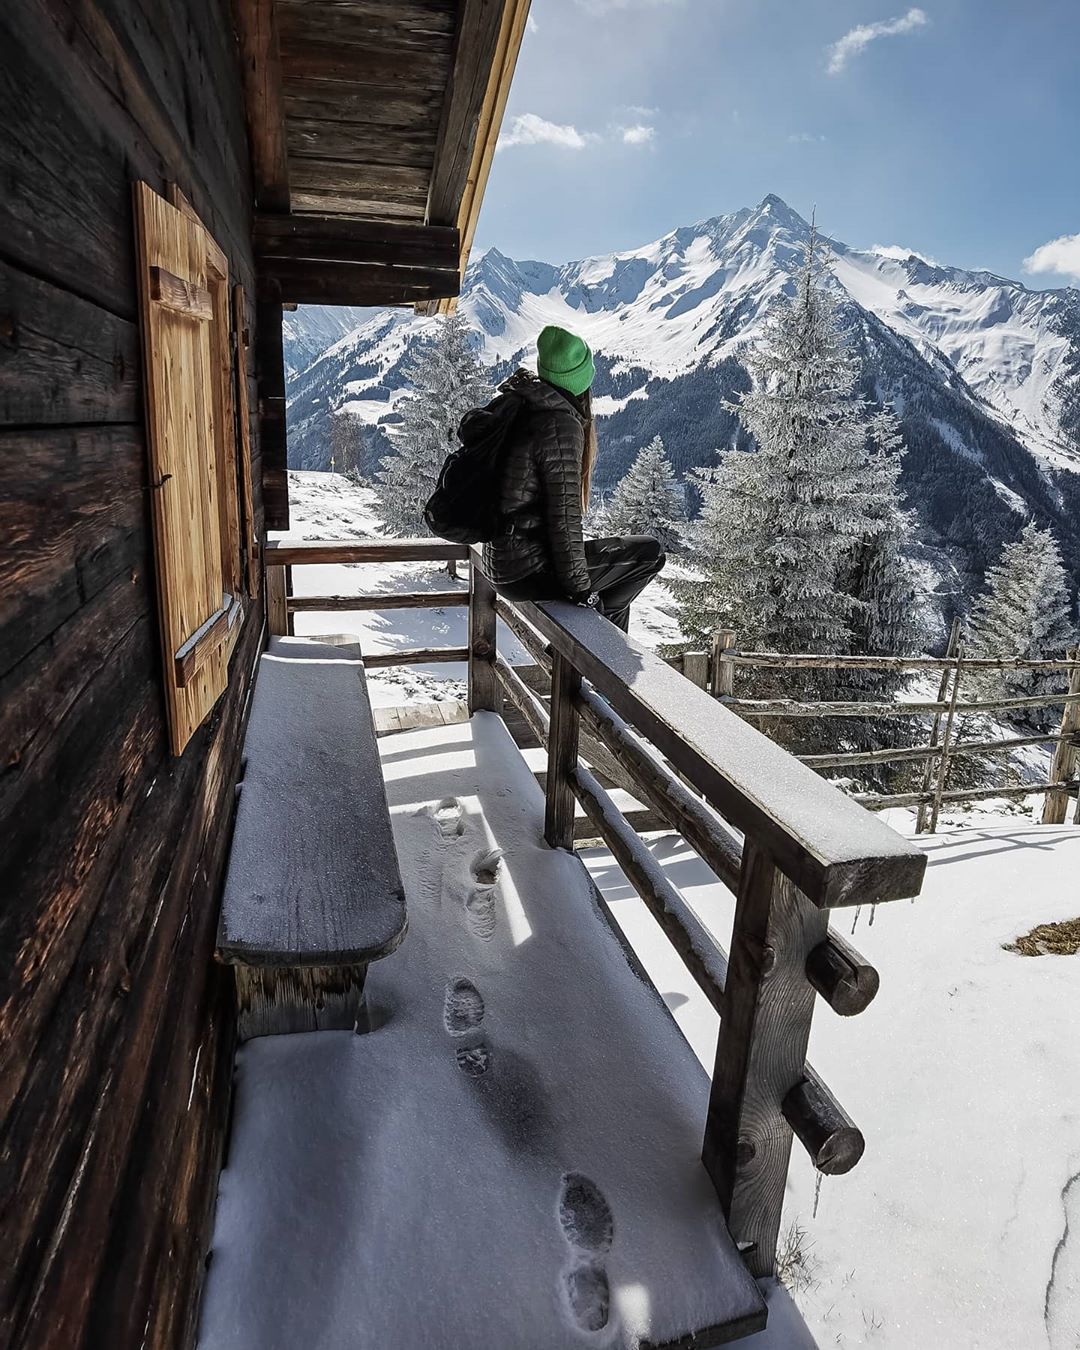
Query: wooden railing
787, 843
716, 671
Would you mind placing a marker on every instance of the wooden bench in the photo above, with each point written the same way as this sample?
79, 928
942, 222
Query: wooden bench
313, 891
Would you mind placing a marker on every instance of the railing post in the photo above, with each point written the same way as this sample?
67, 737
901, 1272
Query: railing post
1056, 805
722, 673
562, 753
696, 668
760, 1053
483, 685
277, 610
935, 732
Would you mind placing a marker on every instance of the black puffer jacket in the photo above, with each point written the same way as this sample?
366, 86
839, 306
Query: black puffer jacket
541, 491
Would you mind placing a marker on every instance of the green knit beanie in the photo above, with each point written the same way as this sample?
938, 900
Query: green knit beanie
564, 360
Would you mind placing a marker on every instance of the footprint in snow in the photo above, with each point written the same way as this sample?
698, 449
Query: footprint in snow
584, 1215
480, 912
463, 1016
463, 1008
588, 1226
486, 865
449, 818
588, 1295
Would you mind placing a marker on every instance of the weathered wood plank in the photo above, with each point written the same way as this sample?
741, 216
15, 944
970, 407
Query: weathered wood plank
415, 656
182, 297
63, 359
1066, 756
475, 45
322, 57
364, 551
261, 64
366, 241
306, 281
73, 513
355, 143
369, 104
270, 372
309, 604
279, 1001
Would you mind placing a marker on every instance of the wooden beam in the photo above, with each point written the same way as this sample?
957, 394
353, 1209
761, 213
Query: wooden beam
562, 753
475, 45
319, 604
260, 61
309, 282
340, 239
363, 551
483, 642
418, 656
205, 641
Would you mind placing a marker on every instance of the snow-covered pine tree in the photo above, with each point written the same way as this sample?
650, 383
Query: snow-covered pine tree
778, 523
343, 443
877, 576
447, 380
1024, 610
648, 500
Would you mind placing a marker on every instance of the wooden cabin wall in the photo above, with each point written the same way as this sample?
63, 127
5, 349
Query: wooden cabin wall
115, 1026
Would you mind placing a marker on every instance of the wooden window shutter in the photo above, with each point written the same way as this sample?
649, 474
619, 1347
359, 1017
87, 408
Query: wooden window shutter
184, 291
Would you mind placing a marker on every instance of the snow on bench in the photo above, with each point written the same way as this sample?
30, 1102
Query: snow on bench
313, 891
511, 1158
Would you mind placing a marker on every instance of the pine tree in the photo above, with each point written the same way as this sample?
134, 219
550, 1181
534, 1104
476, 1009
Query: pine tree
648, 500
1025, 610
779, 523
877, 576
447, 380
343, 443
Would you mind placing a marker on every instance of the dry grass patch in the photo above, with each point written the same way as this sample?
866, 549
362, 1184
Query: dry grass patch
1049, 939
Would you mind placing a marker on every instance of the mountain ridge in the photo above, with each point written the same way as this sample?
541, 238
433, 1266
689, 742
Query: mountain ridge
982, 370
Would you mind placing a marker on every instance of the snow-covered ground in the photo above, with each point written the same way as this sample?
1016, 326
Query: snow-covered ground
961, 1225
960, 1228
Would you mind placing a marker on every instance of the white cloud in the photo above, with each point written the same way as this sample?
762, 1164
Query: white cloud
852, 43
901, 253
1059, 255
531, 26
641, 113
606, 6
529, 129
638, 135
805, 138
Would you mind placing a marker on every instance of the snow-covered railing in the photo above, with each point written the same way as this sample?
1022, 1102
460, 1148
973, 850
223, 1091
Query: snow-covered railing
790, 845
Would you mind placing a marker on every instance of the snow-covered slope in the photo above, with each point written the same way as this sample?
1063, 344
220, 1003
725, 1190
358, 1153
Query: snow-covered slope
982, 369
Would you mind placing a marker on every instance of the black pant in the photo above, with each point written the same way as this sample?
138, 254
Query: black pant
619, 570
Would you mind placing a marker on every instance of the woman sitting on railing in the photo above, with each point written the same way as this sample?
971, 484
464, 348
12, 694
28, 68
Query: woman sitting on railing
547, 465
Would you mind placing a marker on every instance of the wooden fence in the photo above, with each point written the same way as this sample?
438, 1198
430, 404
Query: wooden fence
786, 842
716, 669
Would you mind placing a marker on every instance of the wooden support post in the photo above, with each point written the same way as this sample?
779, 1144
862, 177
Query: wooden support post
483, 686
1056, 806
277, 609
695, 666
562, 753
722, 673
945, 761
935, 731
760, 1053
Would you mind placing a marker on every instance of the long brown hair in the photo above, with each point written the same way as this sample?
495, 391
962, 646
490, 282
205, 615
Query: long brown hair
588, 457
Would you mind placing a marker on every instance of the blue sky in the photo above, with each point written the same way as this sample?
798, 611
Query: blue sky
952, 128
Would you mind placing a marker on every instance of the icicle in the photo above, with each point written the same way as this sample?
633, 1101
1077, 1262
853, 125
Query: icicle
855, 920
873, 911
817, 1191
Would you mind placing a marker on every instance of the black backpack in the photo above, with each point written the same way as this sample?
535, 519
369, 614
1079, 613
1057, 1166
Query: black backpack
464, 507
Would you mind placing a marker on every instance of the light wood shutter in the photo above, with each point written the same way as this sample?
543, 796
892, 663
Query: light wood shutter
184, 291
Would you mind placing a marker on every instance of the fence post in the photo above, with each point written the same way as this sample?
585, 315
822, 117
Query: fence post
483, 685
695, 666
722, 673
277, 609
562, 753
935, 732
945, 760
1056, 804
760, 1053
